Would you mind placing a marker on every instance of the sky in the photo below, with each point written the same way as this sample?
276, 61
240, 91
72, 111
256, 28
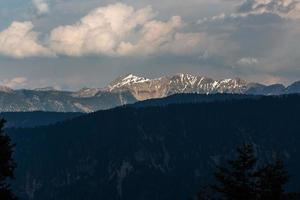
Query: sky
71, 44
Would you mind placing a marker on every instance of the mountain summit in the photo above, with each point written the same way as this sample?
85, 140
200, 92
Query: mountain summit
130, 89
144, 88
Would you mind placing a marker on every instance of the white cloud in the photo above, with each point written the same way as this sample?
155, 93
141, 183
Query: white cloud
41, 6
113, 30
19, 41
16, 82
100, 31
247, 61
119, 30
153, 36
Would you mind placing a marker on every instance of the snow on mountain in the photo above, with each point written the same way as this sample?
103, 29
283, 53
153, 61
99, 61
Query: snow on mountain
144, 88
129, 79
5, 89
129, 89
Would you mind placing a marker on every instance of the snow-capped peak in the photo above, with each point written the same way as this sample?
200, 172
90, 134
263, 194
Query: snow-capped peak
134, 79
5, 89
226, 80
189, 78
127, 80
144, 88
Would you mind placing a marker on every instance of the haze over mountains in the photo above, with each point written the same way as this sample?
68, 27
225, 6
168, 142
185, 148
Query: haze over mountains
129, 89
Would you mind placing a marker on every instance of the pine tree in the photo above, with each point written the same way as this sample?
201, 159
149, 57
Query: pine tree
271, 180
236, 181
7, 165
241, 179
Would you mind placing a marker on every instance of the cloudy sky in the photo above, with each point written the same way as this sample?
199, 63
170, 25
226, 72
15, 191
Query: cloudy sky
70, 44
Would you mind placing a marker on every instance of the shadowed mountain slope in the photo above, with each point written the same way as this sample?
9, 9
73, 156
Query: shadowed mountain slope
161, 153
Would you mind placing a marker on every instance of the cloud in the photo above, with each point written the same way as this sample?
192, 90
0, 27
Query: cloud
16, 82
120, 30
100, 31
41, 6
247, 61
19, 41
114, 30
160, 36
258, 28
285, 9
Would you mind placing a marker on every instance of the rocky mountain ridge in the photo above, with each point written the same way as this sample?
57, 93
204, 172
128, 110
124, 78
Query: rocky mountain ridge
144, 88
130, 89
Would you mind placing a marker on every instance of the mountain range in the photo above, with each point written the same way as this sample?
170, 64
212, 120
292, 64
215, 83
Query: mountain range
130, 89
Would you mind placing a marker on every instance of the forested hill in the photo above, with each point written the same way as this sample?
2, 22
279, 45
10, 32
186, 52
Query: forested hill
40, 118
192, 99
156, 153
33, 119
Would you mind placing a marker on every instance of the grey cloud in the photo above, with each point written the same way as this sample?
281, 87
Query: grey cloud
284, 8
41, 6
264, 34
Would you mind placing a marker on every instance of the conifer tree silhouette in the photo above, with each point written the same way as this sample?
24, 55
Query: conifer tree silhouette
7, 165
241, 179
236, 181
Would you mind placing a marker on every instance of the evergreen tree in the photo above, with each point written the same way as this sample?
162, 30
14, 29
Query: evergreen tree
242, 180
271, 180
7, 165
236, 181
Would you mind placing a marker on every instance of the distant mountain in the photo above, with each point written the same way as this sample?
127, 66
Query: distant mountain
144, 88
5, 89
259, 89
61, 101
129, 89
87, 92
294, 88
160, 152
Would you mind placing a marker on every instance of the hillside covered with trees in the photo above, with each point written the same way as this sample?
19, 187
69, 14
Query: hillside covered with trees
158, 152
